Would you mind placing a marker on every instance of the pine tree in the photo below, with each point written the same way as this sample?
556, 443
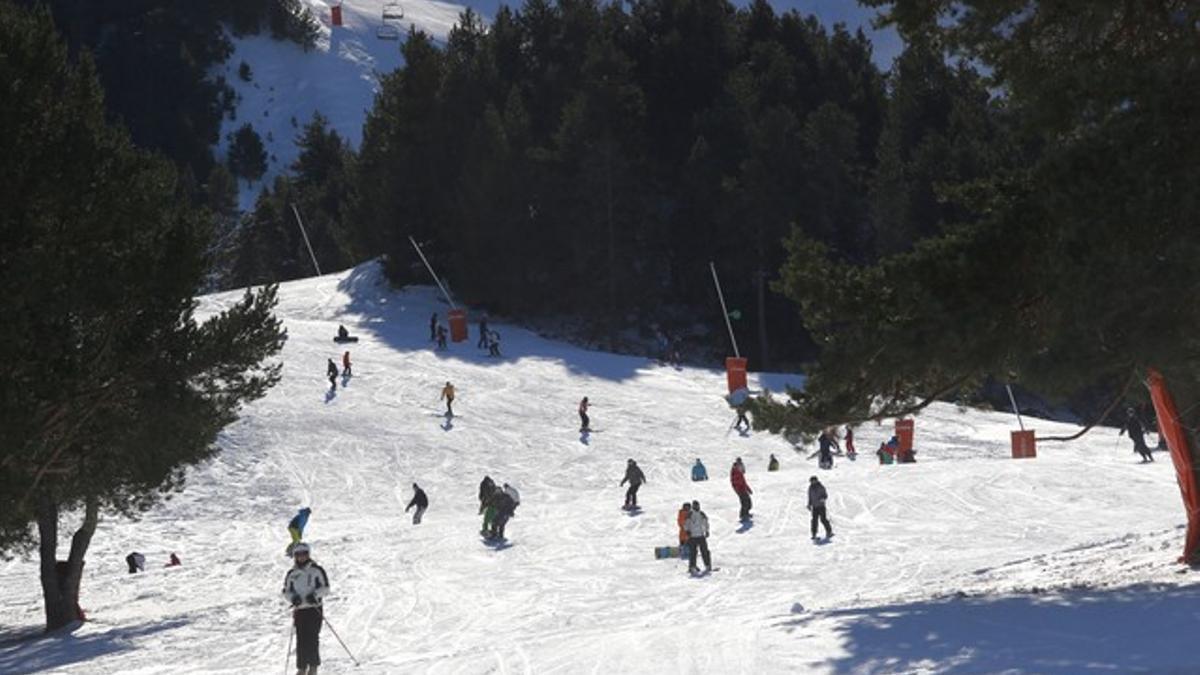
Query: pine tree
109, 388
247, 157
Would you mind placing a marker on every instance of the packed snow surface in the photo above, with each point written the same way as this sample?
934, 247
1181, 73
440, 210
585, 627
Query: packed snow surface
968, 561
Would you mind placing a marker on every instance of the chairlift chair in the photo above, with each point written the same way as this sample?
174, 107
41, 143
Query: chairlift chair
390, 17
392, 10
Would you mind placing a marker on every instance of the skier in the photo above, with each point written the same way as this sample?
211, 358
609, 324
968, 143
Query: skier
420, 501
816, 503
699, 473
506, 503
681, 519
346, 363
296, 527
448, 395
493, 344
697, 531
851, 453
332, 371
741, 417
304, 586
737, 477
483, 333
773, 464
487, 508
433, 327
826, 443
635, 477
136, 562
584, 420
1137, 434
485, 489
441, 337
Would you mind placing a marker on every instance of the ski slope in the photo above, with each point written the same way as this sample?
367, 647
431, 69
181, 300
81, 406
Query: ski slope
967, 561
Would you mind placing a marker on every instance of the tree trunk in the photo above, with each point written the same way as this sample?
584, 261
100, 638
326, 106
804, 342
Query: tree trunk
60, 587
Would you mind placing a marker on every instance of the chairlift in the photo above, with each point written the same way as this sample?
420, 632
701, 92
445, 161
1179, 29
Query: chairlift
389, 28
392, 10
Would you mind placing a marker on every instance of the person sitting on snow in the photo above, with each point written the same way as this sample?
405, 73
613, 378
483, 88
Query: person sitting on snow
773, 464
699, 473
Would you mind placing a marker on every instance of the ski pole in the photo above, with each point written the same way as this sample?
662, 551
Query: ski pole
287, 659
339, 639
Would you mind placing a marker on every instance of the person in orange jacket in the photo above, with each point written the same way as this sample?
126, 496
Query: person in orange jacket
684, 512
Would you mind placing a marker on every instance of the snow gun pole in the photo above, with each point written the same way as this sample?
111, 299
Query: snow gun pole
432, 273
287, 659
725, 310
339, 639
1012, 399
304, 234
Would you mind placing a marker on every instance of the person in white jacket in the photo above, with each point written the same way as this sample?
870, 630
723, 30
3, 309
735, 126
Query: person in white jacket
304, 587
697, 530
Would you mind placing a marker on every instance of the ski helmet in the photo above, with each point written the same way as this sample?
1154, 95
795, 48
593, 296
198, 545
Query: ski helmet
300, 548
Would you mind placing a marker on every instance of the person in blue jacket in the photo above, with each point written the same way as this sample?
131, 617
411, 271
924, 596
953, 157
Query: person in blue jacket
698, 471
296, 527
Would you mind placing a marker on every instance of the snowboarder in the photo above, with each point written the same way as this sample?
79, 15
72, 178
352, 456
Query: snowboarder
346, 364
635, 478
699, 473
816, 503
851, 453
136, 562
332, 372
737, 478
174, 561
448, 396
493, 344
697, 531
304, 586
433, 327
296, 527
681, 519
342, 332
483, 333
773, 463
826, 442
584, 420
1137, 434
441, 337
420, 501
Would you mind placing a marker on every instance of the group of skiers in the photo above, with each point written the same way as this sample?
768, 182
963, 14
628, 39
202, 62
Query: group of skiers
136, 562
488, 339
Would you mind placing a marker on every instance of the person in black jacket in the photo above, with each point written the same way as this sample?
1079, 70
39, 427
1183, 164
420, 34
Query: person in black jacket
483, 333
635, 478
816, 503
420, 501
505, 506
332, 372
485, 489
1137, 434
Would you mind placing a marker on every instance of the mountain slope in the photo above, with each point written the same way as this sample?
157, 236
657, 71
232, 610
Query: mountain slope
933, 566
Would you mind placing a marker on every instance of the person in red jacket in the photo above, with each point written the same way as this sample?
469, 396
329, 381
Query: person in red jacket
346, 364
737, 478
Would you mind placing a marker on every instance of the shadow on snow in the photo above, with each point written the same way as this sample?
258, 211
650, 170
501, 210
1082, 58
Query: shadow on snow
40, 652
